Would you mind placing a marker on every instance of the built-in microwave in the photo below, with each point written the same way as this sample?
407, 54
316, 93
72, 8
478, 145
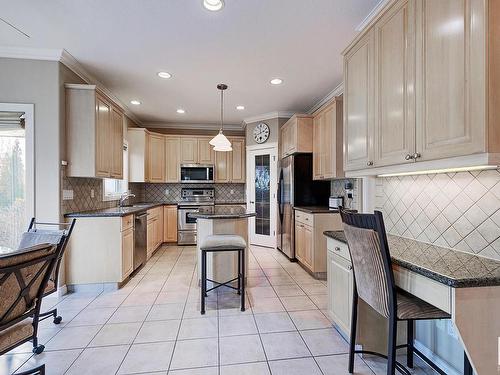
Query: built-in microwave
197, 173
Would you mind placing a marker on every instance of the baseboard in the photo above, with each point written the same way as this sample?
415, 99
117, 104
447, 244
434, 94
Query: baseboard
93, 288
62, 290
441, 363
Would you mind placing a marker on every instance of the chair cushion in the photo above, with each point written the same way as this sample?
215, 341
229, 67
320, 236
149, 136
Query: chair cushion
13, 335
412, 307
223, 242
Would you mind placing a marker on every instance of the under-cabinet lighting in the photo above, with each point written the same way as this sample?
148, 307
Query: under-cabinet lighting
445, 170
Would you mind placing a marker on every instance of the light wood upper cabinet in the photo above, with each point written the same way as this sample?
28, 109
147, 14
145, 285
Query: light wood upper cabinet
296, 135
394, 83
173, 159
238, 171
230, 166
421, 76
358, 104
117, 144
222, 167
138, 154
189, 150
170, 224
206, 153
451, 65
327, 145
92, 135
157, 155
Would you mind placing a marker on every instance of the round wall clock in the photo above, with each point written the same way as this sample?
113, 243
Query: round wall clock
261, 132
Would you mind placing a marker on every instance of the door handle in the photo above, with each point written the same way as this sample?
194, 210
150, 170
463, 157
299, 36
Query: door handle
252, 202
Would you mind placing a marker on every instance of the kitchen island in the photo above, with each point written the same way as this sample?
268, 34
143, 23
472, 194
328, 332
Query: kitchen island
465, 285
221, 220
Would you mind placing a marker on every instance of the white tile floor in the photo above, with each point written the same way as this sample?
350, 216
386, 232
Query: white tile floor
153, 326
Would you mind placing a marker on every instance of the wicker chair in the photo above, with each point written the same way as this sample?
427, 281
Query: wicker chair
58, 237
374, 283
23, 277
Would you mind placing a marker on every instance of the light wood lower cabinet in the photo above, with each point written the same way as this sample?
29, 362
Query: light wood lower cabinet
170, 224
154, 230
101, 250
340, 288
127, 251
310, 243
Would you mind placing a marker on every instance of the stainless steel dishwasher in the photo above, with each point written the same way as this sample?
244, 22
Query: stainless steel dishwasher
140, 239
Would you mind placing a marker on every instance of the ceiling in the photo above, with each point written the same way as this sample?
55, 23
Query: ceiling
124, 43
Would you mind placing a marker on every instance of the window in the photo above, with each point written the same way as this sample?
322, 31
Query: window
112, 188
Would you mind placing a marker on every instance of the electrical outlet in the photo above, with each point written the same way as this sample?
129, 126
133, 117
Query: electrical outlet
67, 195
167, 192
231, 191
92, 193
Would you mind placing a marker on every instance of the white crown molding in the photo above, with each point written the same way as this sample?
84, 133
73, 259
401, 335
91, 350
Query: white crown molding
339, 90
47, 54
373, 13
64, 57
190, 126
71, 63
270, 115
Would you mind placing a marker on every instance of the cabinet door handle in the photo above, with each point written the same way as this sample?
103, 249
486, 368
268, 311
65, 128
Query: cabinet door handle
408, 157
349, 267
416, 155
369, 163
336, 248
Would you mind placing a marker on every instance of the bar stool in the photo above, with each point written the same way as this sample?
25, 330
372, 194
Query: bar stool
223, 243
374, 283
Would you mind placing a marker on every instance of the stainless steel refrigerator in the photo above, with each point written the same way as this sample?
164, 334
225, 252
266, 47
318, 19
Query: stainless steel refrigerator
296, 188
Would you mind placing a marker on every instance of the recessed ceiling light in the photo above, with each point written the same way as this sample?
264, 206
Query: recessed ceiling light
135, 102
240, 107
213, 5
276, 81
181, 111
165, 75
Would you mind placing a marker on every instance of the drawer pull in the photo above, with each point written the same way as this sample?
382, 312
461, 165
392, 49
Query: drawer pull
337, 248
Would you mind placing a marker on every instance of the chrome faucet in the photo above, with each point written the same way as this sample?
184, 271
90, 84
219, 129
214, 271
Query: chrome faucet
126, 195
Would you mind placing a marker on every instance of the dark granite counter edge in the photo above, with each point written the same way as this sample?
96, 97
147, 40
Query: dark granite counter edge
316, 210
462, 283
220, 216
105, 212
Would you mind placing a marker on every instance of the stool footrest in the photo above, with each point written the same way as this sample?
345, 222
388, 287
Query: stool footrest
222, 284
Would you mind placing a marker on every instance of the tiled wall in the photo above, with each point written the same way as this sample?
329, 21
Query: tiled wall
457, 210
82, 200
224, 193
337, 189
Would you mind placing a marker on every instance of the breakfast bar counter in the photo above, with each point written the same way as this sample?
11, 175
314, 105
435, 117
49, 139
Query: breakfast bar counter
212, 220
465, 285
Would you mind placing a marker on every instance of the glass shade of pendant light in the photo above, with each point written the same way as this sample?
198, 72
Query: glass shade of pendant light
220, 141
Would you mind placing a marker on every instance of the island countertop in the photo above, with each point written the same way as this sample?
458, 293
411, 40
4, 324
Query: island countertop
221, 212
454, 268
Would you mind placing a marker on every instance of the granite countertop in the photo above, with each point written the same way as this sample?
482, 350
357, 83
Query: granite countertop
117, 211
454, 268
221, 212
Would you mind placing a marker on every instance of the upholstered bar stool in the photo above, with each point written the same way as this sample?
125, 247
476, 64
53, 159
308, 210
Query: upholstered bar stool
374, 284
223, 243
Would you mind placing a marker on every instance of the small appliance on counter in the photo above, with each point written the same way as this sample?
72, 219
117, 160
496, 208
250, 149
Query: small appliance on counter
334, 202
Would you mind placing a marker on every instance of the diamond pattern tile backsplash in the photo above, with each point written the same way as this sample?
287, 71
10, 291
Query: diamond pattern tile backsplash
456, 210
337, 189
224, 193
82, 187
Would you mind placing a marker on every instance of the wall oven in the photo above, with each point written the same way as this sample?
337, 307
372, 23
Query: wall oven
197, 173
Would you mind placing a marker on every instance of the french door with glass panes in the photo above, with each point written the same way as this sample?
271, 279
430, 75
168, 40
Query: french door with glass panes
261, 195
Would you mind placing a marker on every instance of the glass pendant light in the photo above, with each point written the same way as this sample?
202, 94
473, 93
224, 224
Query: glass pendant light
220, 142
